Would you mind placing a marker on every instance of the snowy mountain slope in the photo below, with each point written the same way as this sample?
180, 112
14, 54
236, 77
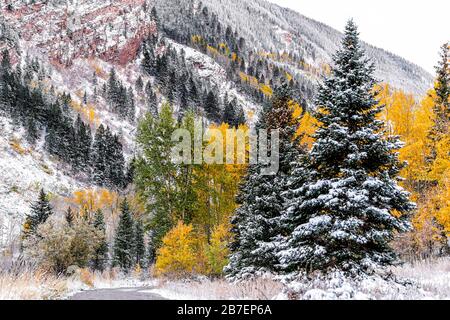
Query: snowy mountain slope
269, 27
206, 69
23, 172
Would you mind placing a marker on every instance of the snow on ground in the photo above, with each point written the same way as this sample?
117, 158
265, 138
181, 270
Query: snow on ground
419, 281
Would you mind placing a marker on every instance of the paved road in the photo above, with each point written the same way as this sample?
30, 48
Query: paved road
117, 294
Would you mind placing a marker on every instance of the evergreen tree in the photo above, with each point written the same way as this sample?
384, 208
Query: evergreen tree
139, 245
116, 163
70, 217
99, 156
94, 78
229, 115
240, 117
152, 101
124, 239
130, 105
345, 214
193, 97
151, 253
40, 212
129, 176
83, 144
257, 222
211, 106
139, 84
100, 257
441, 108
31, 131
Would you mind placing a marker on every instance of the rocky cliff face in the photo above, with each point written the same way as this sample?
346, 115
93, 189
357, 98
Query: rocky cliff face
66, 30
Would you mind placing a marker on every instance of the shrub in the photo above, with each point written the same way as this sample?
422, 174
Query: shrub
176, 257
56, 247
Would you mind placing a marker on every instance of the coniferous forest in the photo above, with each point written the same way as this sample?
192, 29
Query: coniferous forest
360, 198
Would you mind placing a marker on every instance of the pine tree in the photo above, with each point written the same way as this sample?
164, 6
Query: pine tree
124, 239
100, 258
229, 115
83, 143
193, 97
441, 108
256, 223
130, 105
240, 117
69, 217
151, 253
129, 175
152, 101
211, 106
345, 214
116, 163
139, 245
99, 150
40, 212
139, 84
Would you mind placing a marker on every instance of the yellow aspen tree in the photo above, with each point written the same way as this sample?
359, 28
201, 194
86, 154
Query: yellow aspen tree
177, 256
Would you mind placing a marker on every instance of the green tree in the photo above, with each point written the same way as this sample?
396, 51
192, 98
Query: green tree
346, 213
124, 239
139, 244
69, 216
256, 224
155, 174
100, 255
40, 212
441, 108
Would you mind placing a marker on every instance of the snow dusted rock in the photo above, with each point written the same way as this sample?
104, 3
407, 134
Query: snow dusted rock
66, 30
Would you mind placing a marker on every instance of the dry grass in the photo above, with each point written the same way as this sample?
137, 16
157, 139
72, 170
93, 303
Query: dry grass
31, 285
431, 275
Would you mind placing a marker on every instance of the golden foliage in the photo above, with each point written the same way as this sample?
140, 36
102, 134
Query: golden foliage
177, 256
428, 181
90, 200
307, 125
217, 251
15, 145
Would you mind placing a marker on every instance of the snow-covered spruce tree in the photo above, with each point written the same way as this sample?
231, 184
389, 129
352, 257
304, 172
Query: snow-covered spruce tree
98, 156
441, 108
139, 244
256, 223
124, 240
347, 211
69, 217
100, 255
40, 212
